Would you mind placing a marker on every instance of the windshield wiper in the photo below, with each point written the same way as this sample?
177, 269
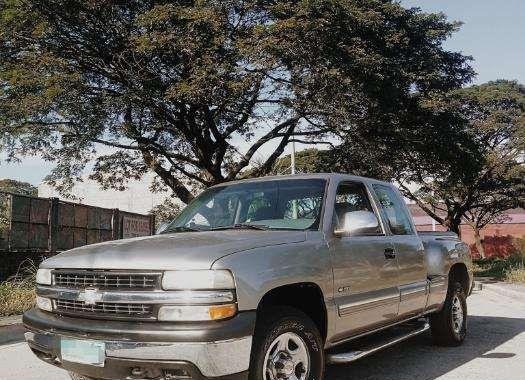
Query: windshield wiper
243, 226
182, 229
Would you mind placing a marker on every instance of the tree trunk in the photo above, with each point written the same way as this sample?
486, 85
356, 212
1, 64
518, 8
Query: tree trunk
479, 243
453, 224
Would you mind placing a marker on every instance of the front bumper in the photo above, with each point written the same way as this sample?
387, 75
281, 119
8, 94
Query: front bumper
148, 350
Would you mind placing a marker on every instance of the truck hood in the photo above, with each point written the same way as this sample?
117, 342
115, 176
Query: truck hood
188, 250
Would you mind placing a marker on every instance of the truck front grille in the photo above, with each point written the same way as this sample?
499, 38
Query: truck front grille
104, 309
106, 280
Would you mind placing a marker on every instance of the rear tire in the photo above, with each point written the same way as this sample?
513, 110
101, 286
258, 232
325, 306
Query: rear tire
286, 345
449, 326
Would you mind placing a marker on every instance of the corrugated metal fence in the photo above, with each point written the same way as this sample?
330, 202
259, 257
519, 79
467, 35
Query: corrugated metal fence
49, 225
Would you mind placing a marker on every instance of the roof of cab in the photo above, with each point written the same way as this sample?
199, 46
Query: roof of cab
328, 176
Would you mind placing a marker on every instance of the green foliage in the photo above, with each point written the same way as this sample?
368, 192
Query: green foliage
17, 187
173, 87
310, 160
511, 269
495, 115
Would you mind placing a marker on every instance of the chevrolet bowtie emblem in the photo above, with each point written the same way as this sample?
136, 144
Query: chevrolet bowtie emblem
90, 296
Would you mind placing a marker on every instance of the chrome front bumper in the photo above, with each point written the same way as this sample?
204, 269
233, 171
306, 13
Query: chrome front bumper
212, 359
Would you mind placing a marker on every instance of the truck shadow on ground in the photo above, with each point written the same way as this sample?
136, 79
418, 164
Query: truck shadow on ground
418, 359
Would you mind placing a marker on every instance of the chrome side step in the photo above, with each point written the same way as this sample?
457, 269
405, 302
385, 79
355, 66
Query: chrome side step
351, 356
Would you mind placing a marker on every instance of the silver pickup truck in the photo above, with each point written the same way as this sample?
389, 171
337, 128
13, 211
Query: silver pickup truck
261, 279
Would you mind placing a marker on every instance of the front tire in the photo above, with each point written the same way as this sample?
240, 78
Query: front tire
286, 346
449, 326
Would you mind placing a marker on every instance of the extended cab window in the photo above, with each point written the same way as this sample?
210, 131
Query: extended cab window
394, 210
352, 197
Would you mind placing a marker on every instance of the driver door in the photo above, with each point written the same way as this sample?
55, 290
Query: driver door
365, 273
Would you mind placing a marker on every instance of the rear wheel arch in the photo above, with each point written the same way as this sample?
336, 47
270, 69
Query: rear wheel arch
306, 297
459, 273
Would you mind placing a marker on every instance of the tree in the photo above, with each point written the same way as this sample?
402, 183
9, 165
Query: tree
310, 160
173, 86
17, 187
495, 113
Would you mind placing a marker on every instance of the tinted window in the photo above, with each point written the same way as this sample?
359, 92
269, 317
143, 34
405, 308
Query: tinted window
351, 197
394, 209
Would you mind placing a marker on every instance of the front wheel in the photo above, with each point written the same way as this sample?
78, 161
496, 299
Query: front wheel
449, 326
287, 346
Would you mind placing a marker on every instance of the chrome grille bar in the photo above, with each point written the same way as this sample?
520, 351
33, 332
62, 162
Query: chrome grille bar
140, 311
176, 297
106, 280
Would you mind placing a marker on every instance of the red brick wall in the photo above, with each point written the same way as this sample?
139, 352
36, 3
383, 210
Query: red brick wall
497, 238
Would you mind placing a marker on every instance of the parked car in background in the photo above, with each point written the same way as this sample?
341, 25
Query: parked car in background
261, 279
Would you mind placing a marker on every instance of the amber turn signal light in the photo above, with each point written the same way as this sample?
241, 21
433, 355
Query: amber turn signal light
222, 311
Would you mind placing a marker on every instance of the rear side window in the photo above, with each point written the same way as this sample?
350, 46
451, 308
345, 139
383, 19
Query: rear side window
394, 210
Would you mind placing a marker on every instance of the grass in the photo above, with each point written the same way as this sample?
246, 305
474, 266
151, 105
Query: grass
15, 298
516, 275
18, 293
511, 269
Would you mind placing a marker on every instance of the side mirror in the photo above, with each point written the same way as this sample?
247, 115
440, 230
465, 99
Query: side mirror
358, 223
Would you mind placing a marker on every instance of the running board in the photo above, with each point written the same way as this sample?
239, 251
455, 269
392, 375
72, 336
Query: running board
351, 356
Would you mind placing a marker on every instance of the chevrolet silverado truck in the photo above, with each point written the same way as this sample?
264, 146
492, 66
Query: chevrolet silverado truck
262, 279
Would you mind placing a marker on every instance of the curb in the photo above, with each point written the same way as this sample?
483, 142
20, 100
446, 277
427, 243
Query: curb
506, 291
10, 321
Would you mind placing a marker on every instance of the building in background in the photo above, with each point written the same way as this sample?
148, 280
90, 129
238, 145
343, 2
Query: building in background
138, 198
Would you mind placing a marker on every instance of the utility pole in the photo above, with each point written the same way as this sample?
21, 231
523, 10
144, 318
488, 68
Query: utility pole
294, 202
292, 156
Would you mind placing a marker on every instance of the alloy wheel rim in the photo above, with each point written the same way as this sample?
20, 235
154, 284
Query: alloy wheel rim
457, 314
287, 358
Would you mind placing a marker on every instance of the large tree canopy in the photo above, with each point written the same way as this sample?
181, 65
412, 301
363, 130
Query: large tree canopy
174, 86
479, 194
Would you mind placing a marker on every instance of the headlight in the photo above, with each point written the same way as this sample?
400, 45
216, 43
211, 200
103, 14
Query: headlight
196, 313
43, 277
44, 303
197, 280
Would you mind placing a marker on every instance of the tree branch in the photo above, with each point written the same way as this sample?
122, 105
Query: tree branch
245, 159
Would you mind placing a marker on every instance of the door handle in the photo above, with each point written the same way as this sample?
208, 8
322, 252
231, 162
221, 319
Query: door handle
390, 253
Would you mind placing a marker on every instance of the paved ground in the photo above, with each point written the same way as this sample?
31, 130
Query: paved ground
494, 350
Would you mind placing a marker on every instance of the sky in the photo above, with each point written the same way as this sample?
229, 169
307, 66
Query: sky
493, 34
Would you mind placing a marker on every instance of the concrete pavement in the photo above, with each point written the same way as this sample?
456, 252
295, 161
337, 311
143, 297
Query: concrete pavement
494, 350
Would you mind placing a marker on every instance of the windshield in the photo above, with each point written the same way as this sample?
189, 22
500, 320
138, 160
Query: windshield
279, 204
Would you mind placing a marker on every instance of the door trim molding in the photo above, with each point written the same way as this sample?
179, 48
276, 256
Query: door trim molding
367, 304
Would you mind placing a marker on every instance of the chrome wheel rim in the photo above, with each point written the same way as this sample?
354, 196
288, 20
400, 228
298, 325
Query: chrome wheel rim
287, 358
457, 314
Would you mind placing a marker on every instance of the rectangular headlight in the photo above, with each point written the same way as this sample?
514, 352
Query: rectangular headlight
197, 280
43, 277
44, 303
196, 313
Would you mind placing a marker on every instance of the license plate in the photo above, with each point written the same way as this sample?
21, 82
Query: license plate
83, 351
